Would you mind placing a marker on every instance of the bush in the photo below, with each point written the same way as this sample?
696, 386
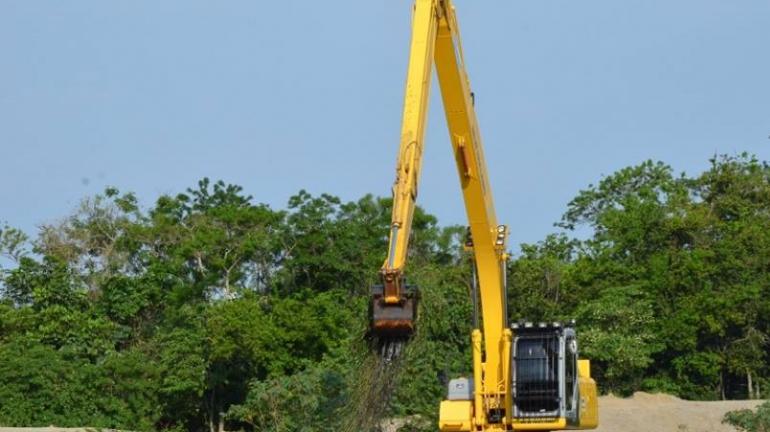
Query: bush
750, 421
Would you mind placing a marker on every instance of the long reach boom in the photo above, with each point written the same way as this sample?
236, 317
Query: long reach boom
487, 401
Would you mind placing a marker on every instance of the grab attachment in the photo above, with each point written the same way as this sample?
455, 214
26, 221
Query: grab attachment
393, 310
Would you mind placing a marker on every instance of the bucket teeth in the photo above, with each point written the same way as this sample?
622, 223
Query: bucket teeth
390, 350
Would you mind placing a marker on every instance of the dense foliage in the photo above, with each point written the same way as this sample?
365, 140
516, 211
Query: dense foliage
750, 421
208, 311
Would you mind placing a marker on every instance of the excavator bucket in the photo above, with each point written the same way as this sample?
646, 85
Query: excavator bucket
392, 320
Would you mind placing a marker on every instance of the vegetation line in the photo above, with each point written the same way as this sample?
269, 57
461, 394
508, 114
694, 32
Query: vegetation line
207, 311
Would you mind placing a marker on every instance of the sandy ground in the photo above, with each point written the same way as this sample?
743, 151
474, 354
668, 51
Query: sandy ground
646, 412
643, 412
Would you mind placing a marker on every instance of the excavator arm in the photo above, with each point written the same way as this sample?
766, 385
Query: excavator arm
394, 305
436, 39
485, 402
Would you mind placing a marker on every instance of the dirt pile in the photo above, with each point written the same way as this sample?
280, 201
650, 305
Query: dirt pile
645, 412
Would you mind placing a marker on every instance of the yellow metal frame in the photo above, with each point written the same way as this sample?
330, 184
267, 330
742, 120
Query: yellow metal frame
436, 40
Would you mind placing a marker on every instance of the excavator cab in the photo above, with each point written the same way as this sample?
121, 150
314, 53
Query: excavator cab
552, 387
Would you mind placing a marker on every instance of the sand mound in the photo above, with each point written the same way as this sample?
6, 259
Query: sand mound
646, 412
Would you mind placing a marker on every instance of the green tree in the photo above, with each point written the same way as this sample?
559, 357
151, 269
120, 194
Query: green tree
616, 331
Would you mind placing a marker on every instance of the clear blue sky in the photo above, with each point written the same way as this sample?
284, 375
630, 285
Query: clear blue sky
150, 96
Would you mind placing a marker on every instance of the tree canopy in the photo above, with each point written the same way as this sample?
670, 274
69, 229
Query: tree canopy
208, 309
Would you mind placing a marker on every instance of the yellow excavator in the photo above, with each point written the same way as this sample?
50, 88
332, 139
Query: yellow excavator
526, 376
